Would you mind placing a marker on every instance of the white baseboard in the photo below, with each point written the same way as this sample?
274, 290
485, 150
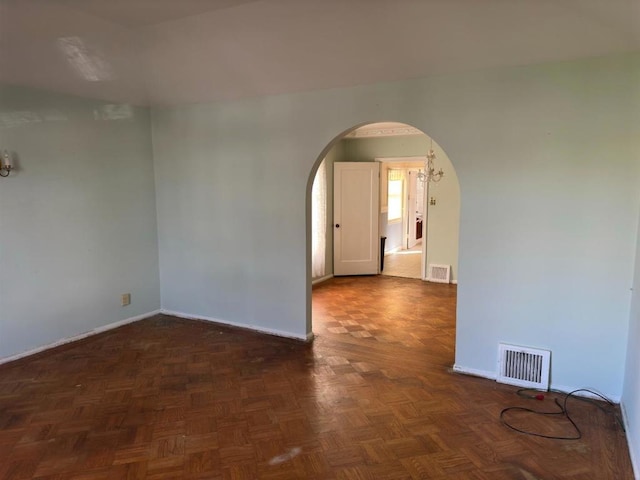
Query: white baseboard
561, 388
474, 372
566, 389
80, 336
269, 331
430, 279
321, 279
632, 447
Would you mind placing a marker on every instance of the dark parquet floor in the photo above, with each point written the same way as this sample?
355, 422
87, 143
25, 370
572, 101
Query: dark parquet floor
373, 397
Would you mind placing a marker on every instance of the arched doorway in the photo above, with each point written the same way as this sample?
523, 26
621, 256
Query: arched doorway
400, 150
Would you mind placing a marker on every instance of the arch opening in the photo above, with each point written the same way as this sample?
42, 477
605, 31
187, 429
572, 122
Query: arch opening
397, 148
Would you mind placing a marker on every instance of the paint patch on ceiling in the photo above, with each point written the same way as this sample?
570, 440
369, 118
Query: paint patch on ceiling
88, 63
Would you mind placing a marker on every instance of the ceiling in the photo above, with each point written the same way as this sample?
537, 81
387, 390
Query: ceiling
140, 13
169, 52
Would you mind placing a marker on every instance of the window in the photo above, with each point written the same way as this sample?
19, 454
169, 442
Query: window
394, 196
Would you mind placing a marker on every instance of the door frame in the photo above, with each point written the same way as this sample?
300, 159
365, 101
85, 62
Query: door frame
409, 218
425, 214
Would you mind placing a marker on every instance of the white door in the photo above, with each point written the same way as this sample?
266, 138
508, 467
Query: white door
356, 243
412, 209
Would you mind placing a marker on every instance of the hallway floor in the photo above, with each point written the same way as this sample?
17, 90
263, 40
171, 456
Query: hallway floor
373, 397
404, 263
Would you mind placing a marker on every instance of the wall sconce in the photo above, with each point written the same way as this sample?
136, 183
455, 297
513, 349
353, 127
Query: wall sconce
6, 163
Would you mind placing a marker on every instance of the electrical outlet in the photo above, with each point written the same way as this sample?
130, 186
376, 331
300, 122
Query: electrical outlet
126, 299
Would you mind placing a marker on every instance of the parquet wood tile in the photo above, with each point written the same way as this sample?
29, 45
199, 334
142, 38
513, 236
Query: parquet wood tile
373, 397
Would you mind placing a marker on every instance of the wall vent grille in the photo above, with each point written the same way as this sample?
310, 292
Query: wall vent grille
524, 367
439, 273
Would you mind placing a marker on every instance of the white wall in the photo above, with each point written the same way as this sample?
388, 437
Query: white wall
232, 184
77, 218
393, 232
631, 393
547, 162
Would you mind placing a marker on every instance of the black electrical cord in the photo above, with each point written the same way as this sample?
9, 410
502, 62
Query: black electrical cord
563, 412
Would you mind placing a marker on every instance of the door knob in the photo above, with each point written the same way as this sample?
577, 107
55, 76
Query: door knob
337, 225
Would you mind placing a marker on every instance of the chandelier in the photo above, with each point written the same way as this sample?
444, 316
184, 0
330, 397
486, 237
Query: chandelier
429, 174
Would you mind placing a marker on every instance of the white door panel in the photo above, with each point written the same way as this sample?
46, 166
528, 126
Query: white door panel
355, 218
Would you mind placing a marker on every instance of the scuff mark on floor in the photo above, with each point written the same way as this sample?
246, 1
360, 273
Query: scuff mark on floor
285, 457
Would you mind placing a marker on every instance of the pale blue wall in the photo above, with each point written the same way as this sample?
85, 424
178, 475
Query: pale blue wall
549, 176
631, 394
77, 219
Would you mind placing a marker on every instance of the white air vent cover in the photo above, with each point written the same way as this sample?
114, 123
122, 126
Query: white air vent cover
439, 273
524, 367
